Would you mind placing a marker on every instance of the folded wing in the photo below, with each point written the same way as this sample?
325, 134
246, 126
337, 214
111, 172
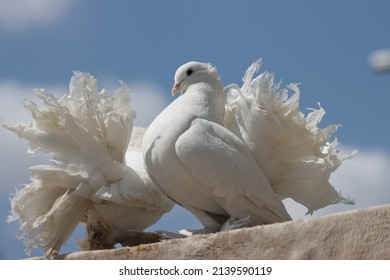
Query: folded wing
221, 162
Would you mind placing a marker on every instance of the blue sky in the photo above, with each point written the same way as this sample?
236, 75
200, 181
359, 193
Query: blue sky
323, 45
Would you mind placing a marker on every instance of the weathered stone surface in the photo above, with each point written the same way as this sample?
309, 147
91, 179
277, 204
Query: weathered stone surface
359, 234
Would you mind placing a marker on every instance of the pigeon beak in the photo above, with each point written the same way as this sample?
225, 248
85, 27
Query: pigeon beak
176, 88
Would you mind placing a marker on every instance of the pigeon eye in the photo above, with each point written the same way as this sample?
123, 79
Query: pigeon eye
189, 72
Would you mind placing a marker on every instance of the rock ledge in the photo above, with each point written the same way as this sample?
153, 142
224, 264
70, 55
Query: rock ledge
358, 234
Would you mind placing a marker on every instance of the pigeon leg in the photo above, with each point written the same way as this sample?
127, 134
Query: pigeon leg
135, 238
234, 223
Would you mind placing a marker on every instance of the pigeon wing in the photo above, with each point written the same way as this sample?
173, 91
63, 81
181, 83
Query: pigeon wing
220, 161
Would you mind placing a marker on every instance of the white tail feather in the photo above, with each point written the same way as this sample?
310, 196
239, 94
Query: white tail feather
294, 153
88, 133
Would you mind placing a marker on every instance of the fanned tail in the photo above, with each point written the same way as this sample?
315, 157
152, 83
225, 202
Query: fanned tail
88, 133
296, 156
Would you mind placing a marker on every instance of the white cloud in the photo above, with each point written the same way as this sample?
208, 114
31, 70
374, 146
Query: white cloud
11, 93
20, 14
379, 60
364, 178
14, 160
148, 101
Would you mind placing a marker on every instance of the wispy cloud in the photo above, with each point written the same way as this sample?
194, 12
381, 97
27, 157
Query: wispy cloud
379, 60
11, 93
364, 178
14, 160
21, 14
148, 101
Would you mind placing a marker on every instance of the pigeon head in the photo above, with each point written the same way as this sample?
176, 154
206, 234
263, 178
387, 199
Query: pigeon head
193, 72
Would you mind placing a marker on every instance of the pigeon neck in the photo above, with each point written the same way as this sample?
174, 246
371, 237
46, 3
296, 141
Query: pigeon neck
209, 98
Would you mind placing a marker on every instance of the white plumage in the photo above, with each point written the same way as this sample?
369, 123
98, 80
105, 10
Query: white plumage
95, 177
231, 157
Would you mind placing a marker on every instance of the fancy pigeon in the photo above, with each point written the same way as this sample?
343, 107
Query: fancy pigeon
96, 176
230, 156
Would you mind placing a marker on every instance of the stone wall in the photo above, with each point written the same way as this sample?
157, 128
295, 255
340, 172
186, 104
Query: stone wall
359, 234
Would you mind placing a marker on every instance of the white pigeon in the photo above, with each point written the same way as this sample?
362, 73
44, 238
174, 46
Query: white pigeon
96, 177
231, 157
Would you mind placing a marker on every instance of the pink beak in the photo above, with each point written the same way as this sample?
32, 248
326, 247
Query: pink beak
176, 88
